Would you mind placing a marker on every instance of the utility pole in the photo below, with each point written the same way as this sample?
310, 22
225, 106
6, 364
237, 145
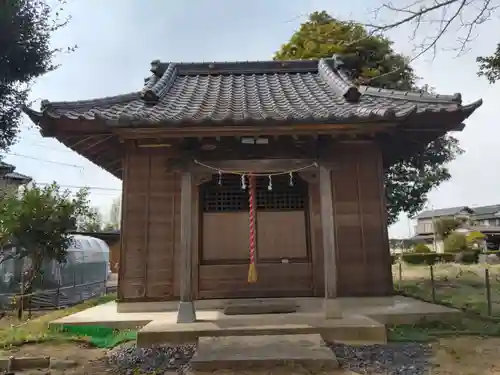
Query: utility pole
433, 230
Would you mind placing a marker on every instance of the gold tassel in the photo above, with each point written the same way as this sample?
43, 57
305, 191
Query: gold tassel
252, 274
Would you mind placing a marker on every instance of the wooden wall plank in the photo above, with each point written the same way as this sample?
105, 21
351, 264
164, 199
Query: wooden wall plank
274, 280
133, 283
361, 222
150, 227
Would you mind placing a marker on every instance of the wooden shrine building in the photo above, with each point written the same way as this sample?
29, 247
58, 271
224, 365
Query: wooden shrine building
314, 146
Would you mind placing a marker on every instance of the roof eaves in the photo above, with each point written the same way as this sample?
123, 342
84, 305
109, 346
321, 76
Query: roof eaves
57, 110
442, 212
18, 176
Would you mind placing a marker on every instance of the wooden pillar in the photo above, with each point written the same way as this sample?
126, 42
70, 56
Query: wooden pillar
186, 312
331, 304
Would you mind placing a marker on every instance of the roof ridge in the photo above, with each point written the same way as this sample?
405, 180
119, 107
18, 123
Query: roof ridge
411, 95
158, 68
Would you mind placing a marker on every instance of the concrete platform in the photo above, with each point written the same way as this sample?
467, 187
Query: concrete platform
263, 352
349, 329
363, 319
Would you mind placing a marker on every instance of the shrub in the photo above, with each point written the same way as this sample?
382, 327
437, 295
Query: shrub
420, 258
455, 243
428, 258
421, 248
467, 257
445, 226
446, 257
475, 237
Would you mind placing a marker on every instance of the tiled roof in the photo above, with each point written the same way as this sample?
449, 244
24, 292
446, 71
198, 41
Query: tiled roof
17, 176
306, 91
484, 212
481, 212
442, 212
6, 167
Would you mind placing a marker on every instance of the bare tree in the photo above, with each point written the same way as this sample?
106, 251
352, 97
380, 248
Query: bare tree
432, 20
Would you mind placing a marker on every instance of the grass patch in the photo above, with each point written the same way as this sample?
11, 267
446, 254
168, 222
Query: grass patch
459, 286
431, 331
37, 330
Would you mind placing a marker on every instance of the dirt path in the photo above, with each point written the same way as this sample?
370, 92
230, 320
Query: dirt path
88, 360
467, 356
457, 356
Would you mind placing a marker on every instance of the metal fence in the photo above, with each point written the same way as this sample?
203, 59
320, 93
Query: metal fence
472, 288
54, 298
65, 286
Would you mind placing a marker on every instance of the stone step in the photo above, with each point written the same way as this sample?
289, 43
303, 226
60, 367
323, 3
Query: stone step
263, 352
351, 329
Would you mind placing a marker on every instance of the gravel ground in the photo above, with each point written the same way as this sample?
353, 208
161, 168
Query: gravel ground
395, 359
127, 359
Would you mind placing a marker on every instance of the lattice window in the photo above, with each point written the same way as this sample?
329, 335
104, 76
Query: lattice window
282, 196
226, 197
230, 197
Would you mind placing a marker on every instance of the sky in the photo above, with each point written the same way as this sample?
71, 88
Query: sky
117, 40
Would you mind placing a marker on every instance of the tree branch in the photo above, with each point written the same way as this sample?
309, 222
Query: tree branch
448, 16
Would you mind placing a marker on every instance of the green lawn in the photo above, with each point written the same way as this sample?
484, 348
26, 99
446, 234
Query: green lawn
460, 286
431, 331
37, 329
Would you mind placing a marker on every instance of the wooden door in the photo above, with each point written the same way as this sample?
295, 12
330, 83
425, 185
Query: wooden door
283, 258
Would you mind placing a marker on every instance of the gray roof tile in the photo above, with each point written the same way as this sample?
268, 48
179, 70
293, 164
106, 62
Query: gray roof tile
487, 210
248, 92
450, 211
17, 176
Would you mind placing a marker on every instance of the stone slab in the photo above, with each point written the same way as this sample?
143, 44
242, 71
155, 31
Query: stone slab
351, 328
254, 352
261, 307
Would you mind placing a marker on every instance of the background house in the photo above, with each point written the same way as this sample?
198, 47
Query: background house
425, 220
10, 180
487, 215
484, 219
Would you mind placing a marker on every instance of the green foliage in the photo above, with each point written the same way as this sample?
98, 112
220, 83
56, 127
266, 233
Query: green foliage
475, 238
455, 243
91, 223
446, 257
37, 222
445, 226
26, 27
489, 66
421, 248
372, 61
408, 182
467, 257
420, 258
428, 258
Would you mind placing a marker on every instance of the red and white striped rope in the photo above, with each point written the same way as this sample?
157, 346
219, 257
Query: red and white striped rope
251, 202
